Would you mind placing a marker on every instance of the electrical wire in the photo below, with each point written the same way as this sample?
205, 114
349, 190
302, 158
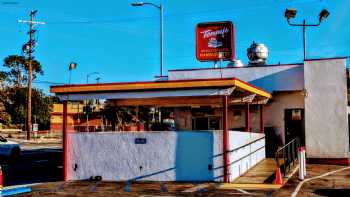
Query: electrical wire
176, 15
48, 82
91, 22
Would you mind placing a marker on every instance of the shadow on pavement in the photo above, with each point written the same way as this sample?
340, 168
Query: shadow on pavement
33, 166
332, 192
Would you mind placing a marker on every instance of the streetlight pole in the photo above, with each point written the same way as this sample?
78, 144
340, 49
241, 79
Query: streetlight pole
88, 76
304, 38
291, 13
161, 9
87, 107
304, 25
161, 39
72, 66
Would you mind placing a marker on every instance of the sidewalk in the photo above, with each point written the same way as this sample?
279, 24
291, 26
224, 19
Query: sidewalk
41, 137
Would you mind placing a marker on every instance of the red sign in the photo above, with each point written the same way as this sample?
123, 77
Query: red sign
214, 41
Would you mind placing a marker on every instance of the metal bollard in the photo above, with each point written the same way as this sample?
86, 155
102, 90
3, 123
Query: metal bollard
304, 159
301, 163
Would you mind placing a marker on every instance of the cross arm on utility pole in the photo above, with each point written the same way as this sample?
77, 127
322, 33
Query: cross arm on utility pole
32, 22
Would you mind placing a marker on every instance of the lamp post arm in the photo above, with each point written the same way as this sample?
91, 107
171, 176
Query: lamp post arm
152, 4
161, 9
88, 76
303, 24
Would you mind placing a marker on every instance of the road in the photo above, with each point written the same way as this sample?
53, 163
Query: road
38, 163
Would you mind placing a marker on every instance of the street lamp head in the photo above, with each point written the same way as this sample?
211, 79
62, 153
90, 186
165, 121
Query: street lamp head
72, 65
138, 3
323, 15
33, 12
290, 13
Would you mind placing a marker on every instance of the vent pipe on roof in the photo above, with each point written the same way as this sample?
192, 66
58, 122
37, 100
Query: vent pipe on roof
235, 63
257, 54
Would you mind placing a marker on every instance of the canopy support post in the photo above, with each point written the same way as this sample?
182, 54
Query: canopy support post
65, 141
247, 117
225, 138
262, 130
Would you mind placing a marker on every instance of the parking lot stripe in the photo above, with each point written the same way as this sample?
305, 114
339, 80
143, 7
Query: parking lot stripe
248, 186
154, 196
197, 188
243, 191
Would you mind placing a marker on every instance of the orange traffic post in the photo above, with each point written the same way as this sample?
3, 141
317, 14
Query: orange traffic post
278, 179
1, 183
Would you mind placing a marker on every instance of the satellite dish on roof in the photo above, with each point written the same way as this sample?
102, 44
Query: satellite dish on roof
257, 53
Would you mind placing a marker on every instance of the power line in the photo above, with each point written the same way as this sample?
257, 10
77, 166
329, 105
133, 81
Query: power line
91, 22
175, 14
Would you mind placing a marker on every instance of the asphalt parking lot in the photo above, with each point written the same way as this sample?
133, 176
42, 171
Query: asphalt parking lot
42, 164
91, 188
322, 180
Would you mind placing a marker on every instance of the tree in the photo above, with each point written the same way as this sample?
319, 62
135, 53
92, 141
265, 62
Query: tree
15, 105
5, 118
118, 116
13, 93
3, 80
18, 69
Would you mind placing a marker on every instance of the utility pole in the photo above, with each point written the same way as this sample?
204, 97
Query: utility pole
28, 48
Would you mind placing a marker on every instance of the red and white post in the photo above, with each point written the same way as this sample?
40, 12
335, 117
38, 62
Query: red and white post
226, 146
1, 181
302, 162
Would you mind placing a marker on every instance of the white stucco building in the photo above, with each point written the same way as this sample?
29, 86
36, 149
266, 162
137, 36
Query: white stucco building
316, 90
248, 113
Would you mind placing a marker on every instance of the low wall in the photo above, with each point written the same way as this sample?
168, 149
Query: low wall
153, 156
246, 150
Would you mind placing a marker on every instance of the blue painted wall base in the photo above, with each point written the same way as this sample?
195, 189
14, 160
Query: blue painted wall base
15, 190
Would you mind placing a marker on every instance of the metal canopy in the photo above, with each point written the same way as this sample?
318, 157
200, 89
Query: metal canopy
147, 94
232, 87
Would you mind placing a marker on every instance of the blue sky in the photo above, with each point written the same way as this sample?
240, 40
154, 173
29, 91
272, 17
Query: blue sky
122, 42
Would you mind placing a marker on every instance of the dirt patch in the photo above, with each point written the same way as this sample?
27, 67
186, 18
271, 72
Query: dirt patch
103, 189
336, 183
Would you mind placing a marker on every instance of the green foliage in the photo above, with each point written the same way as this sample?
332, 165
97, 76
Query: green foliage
18, 69
5, 118
118, 115
13, 94
15, 104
